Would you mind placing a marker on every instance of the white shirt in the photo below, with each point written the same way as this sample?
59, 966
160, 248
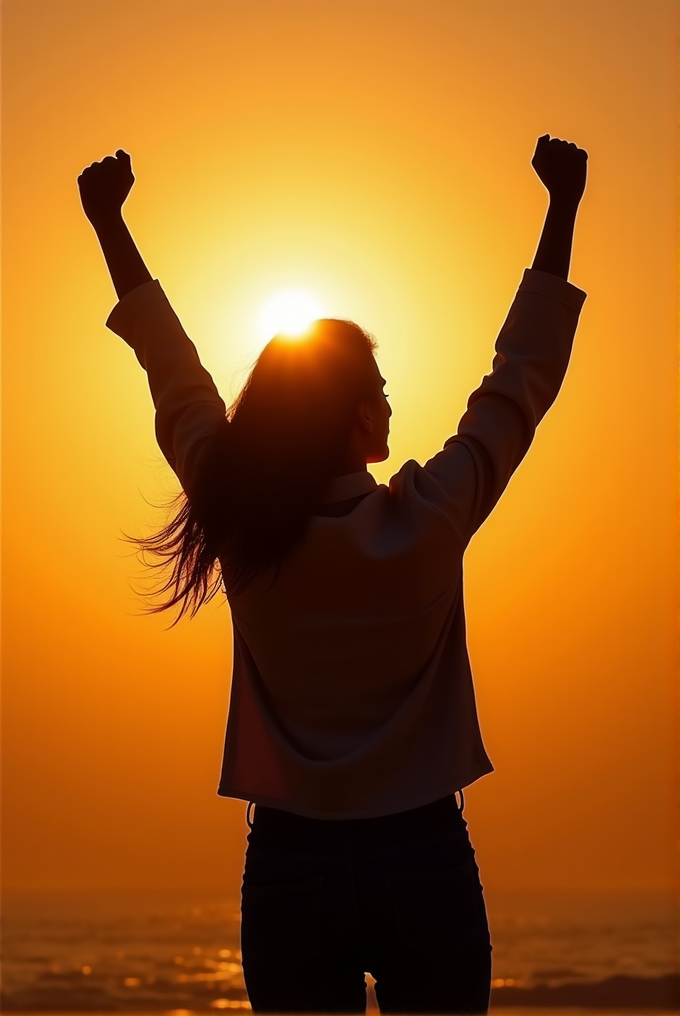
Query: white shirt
352, 694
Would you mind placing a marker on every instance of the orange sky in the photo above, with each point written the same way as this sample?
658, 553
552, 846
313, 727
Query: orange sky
376, 153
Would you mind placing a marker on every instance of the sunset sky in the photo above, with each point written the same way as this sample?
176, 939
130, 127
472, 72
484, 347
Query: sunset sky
375, 154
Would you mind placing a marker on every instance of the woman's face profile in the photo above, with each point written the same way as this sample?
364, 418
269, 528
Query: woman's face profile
381, 411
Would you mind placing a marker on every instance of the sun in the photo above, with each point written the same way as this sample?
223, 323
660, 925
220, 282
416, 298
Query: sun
289, 312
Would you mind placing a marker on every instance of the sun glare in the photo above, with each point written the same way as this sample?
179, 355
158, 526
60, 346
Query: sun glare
289, 312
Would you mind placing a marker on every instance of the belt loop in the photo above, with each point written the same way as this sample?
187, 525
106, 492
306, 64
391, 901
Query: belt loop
462, 801
251, 804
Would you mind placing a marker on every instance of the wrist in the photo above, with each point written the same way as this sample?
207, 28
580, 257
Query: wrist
106, 221
566, 204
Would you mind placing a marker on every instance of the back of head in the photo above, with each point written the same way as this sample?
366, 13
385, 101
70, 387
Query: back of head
284, 440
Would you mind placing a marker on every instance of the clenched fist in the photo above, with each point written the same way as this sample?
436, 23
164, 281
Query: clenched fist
561, 167
105, 185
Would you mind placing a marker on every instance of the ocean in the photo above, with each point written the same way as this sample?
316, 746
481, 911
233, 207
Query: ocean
178, 952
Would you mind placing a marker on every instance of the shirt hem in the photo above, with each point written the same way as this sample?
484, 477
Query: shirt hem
355, 813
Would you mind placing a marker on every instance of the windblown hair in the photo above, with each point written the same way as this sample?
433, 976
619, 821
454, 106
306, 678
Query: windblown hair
264, 471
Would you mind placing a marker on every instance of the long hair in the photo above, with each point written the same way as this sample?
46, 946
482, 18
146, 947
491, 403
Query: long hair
264, 471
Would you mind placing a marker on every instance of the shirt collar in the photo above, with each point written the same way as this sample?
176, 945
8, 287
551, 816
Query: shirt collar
342, 488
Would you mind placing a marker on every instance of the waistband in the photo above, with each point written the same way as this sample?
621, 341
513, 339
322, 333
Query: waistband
426, 816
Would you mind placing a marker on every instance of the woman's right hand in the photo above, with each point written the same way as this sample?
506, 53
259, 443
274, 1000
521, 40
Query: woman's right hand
104, 186
561, 167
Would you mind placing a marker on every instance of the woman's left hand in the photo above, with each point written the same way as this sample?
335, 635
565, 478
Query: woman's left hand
104, 186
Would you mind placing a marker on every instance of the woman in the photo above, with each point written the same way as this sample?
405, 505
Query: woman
352, 721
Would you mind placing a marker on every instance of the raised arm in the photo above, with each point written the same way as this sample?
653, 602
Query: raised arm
532, 354
104, 186
188, 406
561, 167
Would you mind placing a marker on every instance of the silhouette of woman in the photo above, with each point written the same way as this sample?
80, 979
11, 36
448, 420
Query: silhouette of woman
352, 723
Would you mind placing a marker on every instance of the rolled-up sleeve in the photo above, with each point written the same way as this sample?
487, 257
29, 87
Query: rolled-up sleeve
533, 348
188, 405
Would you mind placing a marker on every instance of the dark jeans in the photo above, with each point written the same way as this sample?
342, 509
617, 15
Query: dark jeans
397, 896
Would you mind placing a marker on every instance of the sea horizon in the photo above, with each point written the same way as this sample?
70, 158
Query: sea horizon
142, 952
